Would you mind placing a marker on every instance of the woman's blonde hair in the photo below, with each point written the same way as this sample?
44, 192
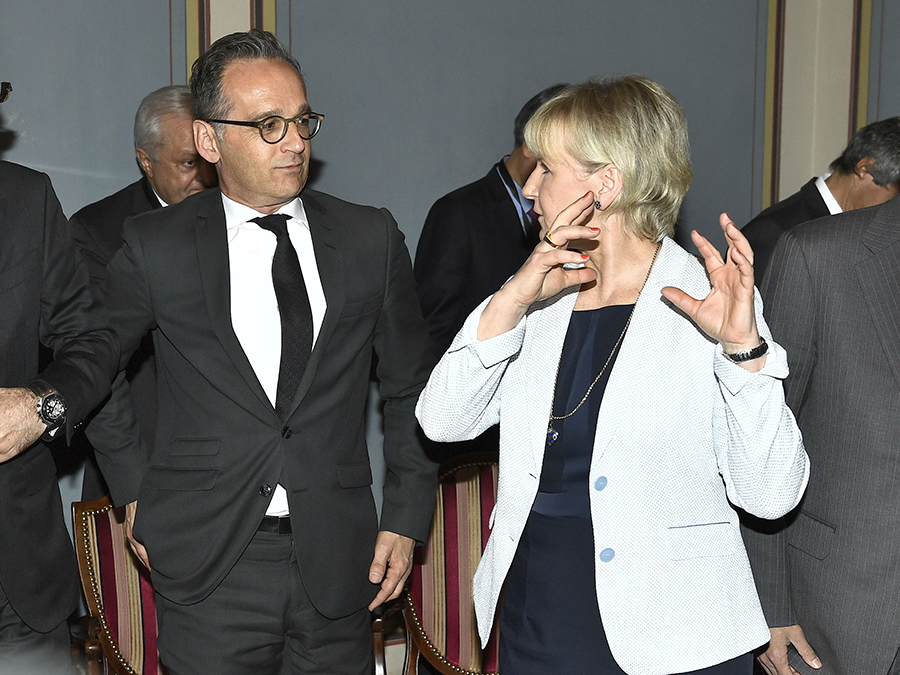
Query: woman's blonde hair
630, 122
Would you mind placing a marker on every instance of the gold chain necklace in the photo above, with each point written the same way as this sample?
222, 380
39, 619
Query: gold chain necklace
553, 434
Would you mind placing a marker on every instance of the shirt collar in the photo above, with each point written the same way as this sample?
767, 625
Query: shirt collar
833, 207
161, 201
237, 214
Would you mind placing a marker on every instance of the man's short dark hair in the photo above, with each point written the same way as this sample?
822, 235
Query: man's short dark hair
207, 71
530, 108
879, 141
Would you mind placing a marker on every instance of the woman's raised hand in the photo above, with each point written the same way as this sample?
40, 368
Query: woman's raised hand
727, 313
542, 276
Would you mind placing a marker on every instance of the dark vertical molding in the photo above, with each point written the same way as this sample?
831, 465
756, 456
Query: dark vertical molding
778, 85
204, 34
861, 62
256, 14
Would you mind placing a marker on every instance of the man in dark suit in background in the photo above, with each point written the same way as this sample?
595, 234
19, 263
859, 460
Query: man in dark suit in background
866, 174
172, 169
828, 574
477, 236
266, 306
44, 298
474, 239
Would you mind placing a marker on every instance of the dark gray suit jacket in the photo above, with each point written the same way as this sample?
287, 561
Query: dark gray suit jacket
98, 234
44, 298
220, 446
763, 231
832, 300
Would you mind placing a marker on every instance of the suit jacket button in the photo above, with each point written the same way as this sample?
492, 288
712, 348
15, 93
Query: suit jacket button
265, 490
287, 432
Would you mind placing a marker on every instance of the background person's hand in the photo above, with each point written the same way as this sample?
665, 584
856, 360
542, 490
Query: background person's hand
775, 659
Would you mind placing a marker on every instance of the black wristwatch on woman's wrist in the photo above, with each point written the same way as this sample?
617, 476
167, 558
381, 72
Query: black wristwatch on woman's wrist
750, 354
51, 406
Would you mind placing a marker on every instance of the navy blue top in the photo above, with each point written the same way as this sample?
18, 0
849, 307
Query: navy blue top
592, 335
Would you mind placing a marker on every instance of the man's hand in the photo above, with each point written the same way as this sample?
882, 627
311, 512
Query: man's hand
391, 565
20, 425
775, 659
136, 546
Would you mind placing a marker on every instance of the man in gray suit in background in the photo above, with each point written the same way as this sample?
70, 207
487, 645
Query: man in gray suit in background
828, 574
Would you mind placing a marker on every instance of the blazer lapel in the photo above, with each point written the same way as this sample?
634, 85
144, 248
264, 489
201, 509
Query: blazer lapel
212, 257
330, 264
879, 278
633, 363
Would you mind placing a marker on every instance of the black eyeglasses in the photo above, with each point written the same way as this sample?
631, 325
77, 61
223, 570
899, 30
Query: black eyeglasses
274, 128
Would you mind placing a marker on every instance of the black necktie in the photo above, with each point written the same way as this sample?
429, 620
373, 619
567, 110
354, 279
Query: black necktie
293, 306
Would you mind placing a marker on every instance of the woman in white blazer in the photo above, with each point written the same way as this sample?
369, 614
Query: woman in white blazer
633, 417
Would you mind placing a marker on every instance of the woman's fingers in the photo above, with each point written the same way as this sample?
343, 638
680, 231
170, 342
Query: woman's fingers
569, 224
711, 256
736, 238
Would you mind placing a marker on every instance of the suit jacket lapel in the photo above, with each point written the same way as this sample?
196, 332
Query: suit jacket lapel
329, 262
879, 277
212, 257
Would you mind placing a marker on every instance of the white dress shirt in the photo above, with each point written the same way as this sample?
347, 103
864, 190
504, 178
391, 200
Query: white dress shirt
254, 308
833, 207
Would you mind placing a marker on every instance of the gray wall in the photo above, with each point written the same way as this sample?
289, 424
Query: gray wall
79, 69
420, 96
884, 85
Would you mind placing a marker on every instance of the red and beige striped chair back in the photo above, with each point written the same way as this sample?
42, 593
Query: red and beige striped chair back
117, 590
439, 611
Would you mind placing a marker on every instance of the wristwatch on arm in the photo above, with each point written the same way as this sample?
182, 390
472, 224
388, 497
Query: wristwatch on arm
51, 407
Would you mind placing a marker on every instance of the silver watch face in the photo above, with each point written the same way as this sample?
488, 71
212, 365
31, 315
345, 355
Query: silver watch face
53, 408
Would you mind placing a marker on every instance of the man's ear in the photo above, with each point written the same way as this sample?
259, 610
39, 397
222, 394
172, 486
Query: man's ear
207, 141
145, 162
865, 167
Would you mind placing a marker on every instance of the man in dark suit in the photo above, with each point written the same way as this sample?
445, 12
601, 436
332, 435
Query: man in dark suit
256, 508
473, 240
828, 573
171, 169
44, 298
477, 236
866, 174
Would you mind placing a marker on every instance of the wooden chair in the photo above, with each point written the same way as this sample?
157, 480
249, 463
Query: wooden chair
117, 590
437, 603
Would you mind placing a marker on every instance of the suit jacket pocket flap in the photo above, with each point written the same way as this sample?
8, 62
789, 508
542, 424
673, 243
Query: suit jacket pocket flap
705, 540
174, 478
810, 535
355, 475
195, 446
362, 306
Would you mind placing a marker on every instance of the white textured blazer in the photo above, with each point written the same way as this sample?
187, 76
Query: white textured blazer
681, 432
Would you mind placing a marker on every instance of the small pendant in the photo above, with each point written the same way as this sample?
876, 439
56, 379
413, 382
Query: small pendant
552, 434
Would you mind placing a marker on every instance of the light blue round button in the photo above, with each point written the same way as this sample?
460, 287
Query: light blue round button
607, 554
600, 483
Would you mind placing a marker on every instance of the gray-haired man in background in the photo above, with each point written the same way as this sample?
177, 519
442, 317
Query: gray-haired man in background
172, 170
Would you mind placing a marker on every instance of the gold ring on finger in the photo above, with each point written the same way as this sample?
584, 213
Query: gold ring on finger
550, 241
